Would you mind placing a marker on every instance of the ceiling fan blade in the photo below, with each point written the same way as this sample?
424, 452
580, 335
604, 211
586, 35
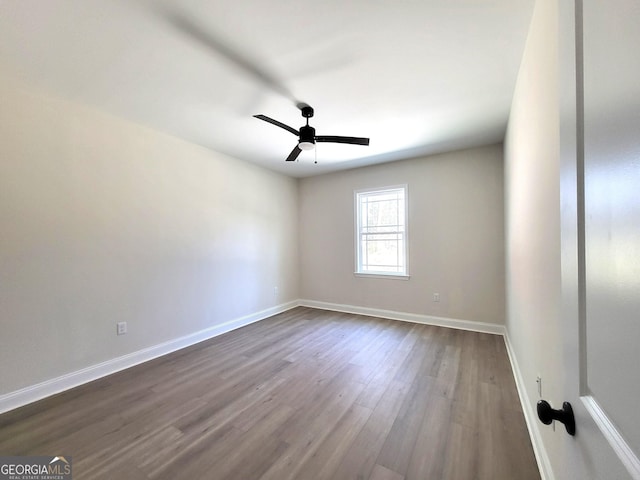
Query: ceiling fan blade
336, 139
294, 154
207, 38
278, 124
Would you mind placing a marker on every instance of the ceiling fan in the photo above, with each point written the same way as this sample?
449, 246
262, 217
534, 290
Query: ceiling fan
307, 137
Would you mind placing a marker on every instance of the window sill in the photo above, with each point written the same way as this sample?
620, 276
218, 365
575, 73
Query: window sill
391, 276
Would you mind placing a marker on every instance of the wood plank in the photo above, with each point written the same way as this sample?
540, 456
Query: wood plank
426, 460
381, 473
398, 446
360, 457
326, 458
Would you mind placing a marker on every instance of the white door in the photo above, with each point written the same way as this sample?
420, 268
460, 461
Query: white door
601, 262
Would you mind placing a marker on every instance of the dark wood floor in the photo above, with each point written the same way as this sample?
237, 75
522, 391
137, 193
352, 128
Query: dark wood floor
307, 394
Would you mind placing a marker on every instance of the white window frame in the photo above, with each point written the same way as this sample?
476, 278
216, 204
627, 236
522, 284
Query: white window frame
359, 270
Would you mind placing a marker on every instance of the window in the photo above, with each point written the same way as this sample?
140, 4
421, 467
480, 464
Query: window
381, 231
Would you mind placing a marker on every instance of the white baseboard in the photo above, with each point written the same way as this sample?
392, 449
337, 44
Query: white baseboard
530, 416
481, 327
47, 388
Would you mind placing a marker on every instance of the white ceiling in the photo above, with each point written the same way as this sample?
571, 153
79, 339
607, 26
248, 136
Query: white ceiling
416, 76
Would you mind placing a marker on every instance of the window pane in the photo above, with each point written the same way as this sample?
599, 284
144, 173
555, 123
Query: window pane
381, 231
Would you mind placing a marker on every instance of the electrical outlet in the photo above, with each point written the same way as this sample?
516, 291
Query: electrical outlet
275, 292
436, 297
121, 328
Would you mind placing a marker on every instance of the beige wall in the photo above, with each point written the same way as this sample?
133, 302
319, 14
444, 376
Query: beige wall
532, 217
106, 221
456, 237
